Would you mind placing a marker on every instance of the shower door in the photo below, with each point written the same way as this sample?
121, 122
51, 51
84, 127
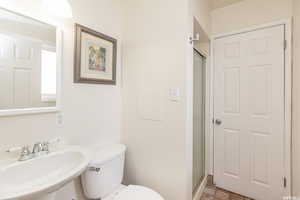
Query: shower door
198, 120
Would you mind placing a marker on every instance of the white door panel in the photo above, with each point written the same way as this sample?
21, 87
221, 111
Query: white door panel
249, 99
6, 75
22, 88
20, 72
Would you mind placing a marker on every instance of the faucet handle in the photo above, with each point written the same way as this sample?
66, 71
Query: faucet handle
41, 147
20, 149
45, 146
37, 147
13, 149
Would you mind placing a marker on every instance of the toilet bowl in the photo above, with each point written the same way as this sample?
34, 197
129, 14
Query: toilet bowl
103, 178
133, 192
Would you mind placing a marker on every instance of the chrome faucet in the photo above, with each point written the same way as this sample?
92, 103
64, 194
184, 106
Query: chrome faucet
39, 149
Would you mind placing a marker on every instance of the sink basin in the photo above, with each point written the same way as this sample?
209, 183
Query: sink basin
42, 175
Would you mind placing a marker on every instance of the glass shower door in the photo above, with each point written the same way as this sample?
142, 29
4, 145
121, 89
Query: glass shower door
199, 121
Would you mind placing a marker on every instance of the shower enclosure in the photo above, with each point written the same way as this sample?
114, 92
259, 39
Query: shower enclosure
198, 121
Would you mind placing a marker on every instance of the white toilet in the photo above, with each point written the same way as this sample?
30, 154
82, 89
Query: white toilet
103, 178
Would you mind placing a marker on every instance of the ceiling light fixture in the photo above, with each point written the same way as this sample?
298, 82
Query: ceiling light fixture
58, 8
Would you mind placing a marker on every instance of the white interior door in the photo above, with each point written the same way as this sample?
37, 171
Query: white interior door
249, 109
20, 73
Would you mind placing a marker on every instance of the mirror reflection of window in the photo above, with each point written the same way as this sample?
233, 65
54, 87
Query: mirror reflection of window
48, 83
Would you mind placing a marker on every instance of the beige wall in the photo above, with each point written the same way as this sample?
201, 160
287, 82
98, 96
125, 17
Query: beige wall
91, 113
222, 3
158, 57
201, 11
248, 13
153, 126
296, 100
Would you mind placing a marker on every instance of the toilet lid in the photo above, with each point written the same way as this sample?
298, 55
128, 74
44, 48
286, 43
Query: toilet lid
134, 192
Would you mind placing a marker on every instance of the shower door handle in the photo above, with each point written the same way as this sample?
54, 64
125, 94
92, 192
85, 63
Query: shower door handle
218, 122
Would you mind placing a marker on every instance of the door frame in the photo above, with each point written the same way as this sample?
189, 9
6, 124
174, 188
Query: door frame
287, 95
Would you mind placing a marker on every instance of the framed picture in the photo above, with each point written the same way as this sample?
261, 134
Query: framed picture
95, 57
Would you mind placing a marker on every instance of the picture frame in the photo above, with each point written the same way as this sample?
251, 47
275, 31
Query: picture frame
95, 57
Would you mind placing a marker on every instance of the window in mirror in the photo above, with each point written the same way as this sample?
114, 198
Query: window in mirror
48, 88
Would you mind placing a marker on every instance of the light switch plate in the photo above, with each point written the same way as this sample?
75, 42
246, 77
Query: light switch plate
59, 118
174, 94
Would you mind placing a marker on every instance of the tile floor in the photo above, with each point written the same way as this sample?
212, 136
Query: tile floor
211, 192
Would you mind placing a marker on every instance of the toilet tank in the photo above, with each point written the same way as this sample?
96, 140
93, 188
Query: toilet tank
105, 172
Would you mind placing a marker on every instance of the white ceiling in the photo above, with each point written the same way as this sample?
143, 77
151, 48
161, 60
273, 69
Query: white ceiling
222, 3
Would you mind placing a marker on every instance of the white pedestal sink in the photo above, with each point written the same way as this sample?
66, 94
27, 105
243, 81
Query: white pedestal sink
39, 178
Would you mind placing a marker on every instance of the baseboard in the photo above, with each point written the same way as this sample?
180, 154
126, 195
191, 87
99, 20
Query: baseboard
200, 190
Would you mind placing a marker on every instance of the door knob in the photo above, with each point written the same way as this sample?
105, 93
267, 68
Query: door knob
218, 122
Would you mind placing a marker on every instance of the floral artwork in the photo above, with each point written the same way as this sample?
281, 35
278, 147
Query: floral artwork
97, 58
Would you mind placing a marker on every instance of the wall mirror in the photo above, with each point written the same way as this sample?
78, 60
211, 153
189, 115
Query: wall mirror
29, 65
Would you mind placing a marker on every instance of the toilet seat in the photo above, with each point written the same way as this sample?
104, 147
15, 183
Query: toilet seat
134, 192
